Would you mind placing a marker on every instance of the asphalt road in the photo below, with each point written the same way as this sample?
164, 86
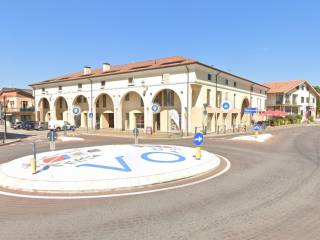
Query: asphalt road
271, 192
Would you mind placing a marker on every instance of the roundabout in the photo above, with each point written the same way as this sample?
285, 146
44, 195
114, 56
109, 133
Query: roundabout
109, 169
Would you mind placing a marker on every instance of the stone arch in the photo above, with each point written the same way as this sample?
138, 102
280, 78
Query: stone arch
245, 104
104, 106
132, 106
61, 108
169, 117
43, 112
82, 119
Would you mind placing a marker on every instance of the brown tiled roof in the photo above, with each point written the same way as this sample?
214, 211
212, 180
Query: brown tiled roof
126, 68
286, 86
283, 87
135, 67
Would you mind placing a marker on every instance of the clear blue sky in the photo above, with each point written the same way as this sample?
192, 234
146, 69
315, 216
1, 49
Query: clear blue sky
260, 40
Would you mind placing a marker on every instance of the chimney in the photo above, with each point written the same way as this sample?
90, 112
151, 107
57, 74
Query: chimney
86, 70
106, 67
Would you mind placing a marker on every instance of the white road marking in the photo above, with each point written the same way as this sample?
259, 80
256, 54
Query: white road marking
121, 194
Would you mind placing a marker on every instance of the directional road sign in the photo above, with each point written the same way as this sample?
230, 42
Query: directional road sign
198, 139
76, 110
155, 108
257, 127
226, 105
250, 110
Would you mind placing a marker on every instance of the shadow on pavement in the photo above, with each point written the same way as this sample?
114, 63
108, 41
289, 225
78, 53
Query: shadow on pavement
15, 135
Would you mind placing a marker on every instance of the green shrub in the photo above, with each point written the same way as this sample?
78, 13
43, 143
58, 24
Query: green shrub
311, 119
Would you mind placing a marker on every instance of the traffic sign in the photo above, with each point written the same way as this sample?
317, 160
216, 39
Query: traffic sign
257, 127
91, 115
135, 131
52, 136
226, 105
155, 108
198, 139
76, 110
250, 110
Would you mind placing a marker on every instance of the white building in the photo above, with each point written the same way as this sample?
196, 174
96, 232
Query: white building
190, 94
294, 97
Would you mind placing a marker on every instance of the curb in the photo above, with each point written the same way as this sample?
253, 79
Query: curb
11, 142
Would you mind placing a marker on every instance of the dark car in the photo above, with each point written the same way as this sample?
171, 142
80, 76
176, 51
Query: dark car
28, 125
16, 125
40, 126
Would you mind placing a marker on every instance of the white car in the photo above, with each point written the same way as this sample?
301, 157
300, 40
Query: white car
58, 125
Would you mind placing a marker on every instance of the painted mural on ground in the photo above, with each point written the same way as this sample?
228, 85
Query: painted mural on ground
108, 162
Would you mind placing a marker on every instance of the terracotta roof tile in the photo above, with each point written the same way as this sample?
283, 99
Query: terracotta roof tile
284, 86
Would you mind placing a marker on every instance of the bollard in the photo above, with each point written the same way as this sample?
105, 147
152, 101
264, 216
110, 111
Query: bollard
198, 153
33, 163
33, 166
256, 134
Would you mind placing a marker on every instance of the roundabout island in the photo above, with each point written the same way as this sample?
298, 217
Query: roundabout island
109, 169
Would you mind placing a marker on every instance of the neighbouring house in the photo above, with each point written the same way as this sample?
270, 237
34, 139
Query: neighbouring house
19, 104
293, 97
166, 95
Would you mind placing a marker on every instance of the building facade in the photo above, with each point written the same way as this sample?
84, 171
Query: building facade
294, 97
189, 94
19, 104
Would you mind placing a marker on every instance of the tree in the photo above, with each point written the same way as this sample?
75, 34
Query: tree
317, 88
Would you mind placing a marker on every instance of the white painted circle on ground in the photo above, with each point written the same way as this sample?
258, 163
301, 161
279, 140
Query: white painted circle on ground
105, 167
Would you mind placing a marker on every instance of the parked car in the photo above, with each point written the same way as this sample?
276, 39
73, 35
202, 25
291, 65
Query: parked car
16, 125
59, 125
28, 125
41, 126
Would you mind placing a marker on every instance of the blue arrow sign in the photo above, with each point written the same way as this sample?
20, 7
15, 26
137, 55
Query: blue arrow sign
257, 127
226, 105
250, 110
91, 115
198, 139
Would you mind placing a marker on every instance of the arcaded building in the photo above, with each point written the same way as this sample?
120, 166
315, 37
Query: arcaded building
186, 93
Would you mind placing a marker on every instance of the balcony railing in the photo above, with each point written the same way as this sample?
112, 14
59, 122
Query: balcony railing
28, 109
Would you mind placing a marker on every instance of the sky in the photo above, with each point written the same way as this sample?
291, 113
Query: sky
260, 40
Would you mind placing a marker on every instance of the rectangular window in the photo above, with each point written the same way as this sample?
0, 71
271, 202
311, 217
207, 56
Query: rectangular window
209, 77
103, 84
313, 100
158, 99
260, 91
104, 101
226, 96
84, 99
307, 100
11, 104
226, 81
60, 88
208, 97
218, 99
130, 81
127, 97
235, 84
251, 89
234, 100
279, 98
79, 86
165, 77
43, 90
297, 87
169, 98
302, 87
24, 104
302, 99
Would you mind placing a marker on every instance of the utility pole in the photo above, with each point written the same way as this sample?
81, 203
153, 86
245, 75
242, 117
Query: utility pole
5, 119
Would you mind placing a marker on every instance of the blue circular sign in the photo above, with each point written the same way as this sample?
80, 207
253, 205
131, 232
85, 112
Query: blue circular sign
76, 110
155, 108
226, 105
198, 139
91, 115
257, 127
